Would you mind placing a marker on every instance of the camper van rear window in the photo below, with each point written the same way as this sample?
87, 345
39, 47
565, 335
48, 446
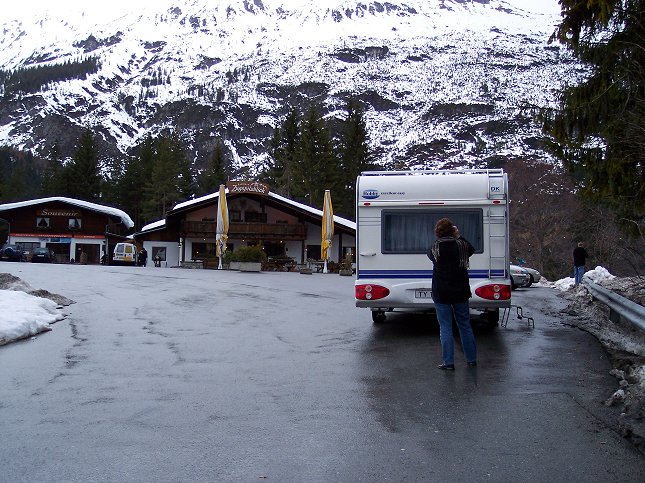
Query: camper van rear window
412, 231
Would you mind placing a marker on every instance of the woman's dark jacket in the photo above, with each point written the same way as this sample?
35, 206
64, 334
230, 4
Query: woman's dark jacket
450, 283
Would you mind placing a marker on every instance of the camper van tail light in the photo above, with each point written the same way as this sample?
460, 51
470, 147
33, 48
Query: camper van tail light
494, 292
371, 292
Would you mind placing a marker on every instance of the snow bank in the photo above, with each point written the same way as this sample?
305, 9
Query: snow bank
564, 284
23, 315
596, 275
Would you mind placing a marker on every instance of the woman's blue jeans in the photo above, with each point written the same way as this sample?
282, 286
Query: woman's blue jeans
462, 317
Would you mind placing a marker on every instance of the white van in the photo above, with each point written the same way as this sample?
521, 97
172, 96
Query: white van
396, 214
125, 254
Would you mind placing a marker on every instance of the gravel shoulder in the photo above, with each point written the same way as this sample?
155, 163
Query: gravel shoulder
626, 346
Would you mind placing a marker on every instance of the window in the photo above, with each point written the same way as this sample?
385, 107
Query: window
42, 223
235, 215
412, 231
254, 217
313, 252
202, 250
159, 252
74, 223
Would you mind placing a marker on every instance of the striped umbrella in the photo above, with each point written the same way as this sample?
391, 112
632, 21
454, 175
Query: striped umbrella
221, 232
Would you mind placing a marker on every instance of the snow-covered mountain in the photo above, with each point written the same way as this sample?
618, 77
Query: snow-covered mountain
445, 82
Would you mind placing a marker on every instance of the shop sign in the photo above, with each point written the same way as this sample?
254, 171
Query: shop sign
253, 187
48, 212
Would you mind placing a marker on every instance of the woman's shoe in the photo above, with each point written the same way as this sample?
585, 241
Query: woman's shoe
446, 367
472, 364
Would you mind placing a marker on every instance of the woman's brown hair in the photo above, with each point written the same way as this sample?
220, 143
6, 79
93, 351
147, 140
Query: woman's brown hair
444, 227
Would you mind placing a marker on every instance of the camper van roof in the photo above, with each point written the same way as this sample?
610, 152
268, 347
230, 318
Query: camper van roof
416, 172
432, 186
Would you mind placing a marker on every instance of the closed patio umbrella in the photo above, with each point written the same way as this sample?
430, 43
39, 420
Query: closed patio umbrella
327, 229
221, 231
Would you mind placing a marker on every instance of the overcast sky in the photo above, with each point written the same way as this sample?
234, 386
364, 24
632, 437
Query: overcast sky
20, 8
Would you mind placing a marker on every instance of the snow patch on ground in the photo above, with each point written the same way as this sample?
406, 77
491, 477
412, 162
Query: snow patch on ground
25, 312
34, 315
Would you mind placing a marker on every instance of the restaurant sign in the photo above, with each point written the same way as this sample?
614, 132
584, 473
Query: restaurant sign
247, 187
71, 214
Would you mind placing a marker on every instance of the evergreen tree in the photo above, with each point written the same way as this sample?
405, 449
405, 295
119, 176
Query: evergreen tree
355, 157
215, 173
170, 178
83, 177
316, 167
283, 149
598, 128
19, 176
52, 176
134, 174
16, 189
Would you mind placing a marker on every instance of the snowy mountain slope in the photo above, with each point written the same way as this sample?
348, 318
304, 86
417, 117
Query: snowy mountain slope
444, 81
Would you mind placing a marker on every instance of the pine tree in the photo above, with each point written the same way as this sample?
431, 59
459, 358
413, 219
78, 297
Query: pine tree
316, 167
134, 173
16, 188
52, 183
598, 128
355, 157
171, 178
215, 173
279, 174
83, 177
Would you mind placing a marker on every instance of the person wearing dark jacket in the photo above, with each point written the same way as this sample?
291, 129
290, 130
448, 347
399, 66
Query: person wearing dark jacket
580, 256
143, 257
451, 290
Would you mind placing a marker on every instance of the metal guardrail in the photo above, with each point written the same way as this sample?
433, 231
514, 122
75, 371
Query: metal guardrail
618, 305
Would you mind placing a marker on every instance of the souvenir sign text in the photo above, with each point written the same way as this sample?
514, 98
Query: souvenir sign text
247, 187
71, 214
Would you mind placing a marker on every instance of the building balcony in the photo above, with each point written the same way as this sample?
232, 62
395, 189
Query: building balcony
260, 231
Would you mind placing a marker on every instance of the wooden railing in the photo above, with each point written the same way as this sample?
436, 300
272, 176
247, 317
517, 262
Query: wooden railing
264, 231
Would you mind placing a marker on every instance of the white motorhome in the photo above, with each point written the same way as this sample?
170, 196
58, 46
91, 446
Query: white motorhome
396, 214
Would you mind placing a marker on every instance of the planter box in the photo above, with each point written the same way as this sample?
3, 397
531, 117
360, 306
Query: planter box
346, 273
246, 266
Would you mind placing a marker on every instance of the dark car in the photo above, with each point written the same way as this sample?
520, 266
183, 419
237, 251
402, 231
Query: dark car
43, 255
11, 253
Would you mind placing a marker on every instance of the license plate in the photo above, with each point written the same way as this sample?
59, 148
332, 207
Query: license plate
423, 293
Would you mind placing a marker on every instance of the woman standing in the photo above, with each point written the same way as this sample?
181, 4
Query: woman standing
451, 290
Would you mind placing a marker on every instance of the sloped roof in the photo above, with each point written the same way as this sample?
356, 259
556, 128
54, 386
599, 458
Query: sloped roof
108, 210
212, 197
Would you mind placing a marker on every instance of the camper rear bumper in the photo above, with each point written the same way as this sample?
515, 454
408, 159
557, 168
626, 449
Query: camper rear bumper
417, 294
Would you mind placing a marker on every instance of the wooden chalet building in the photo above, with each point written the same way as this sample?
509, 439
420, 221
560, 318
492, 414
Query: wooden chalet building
256, 217
75, 230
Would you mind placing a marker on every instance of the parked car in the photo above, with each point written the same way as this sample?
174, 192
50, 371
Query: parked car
519, 277
46, 255
11, 253
534, 274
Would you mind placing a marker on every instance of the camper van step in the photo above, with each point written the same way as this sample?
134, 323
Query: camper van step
520, 315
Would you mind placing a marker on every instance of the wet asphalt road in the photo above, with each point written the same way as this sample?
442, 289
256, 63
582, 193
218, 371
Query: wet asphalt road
194, 375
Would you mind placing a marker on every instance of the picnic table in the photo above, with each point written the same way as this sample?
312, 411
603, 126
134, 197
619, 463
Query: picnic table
280, 263
318, 265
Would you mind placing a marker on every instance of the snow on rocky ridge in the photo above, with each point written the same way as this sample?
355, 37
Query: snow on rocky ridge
444, 82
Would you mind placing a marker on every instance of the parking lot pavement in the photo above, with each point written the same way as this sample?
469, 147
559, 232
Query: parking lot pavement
195, 375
